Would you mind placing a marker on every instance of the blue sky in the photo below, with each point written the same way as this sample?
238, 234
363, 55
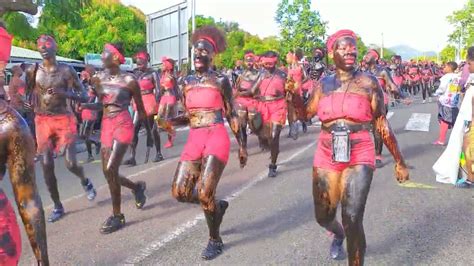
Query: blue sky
419, 23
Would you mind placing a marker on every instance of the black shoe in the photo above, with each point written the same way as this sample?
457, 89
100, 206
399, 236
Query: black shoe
378, 163
90, 190
336, 251
56, 215
213, 249
272, 170
112, 224
158, 158
131, 162
140, 197
90, 158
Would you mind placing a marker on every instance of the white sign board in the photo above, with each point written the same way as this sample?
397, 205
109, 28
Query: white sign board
96, 61
167, 34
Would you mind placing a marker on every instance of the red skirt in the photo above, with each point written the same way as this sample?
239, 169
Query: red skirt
119, 128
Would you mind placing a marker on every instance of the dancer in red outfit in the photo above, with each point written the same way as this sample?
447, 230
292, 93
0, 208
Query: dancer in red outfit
54, 86
272, 106
297, 77
168, 99
148, 81
246, 104
115, 90
88, 117
347, 103
207, 97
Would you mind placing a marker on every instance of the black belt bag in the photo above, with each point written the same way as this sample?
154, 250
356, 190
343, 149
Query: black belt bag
341, 143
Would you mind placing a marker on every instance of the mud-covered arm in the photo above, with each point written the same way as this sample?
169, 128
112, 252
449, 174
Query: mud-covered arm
391, 86
77, 92
91, 105
312, 107
382, 126
229, 107
134, 87
21, 168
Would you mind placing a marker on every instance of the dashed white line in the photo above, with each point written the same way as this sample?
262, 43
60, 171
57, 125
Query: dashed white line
183, 228
390, 114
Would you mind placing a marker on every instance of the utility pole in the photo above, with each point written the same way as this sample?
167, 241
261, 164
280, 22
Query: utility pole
381, 48
193, 22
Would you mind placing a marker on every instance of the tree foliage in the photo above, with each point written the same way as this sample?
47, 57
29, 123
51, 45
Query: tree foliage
463, 22
300, 27
82, 26
238, 41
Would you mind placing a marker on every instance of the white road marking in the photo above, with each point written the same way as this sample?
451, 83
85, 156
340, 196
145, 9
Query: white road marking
390, 114
131, 177
419, 122
183, 228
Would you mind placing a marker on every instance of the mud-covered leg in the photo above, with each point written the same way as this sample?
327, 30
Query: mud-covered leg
213, 211
184, 183
47, 163
133, 147
156, 139
73, 166
357, 182
378, 141
326, 197
274, 148
243, 118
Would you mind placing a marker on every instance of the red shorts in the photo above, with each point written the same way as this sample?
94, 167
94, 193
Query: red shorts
150, 104
88, 115
246, 103
10, 250
202, 142
167, 100
362, 152
119, 128
55, 131
273, 111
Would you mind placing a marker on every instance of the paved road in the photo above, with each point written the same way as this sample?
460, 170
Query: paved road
269, 221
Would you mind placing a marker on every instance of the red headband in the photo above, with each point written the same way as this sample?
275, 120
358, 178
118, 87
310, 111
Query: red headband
116, 52
142, 55
249, 55
272, 60
167, 65
333, 38
211, 41
372, 51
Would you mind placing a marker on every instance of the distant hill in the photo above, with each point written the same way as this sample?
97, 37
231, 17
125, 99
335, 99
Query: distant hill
408, 52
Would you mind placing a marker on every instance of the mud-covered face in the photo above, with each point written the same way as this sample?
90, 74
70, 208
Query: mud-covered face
142, 63
345, 54
249, 61
370, 58
47, 47
269, 65
203, 54
109, 58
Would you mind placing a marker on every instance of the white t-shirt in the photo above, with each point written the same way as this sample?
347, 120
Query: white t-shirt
449, 90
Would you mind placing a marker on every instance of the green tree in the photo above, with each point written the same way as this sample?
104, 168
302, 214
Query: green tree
448, 53
463, 22
300, 27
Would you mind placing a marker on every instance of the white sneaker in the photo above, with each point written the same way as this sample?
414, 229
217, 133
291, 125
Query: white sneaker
424, 101
429, 99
